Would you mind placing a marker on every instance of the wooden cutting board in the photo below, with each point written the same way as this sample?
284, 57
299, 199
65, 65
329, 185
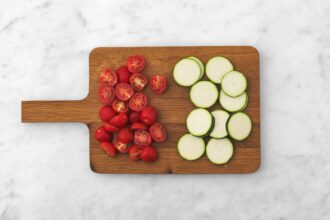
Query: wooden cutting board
173, 107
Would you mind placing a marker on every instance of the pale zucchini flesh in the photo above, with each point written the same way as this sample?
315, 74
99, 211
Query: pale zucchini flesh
199, 122
234, 83
186, 72
217, 67
204, 94
232, 104
220, 124
239, 126
191, 147
219, 151
201, 65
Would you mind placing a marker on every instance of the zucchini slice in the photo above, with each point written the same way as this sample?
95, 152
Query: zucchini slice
220, 124
219, 151
239, 126
186, 72
201, 65
191, 147
204, 94
217, 67
234, 83
200, 122
233, 104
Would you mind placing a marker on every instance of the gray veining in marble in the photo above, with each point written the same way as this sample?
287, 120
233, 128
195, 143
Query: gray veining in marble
44, 168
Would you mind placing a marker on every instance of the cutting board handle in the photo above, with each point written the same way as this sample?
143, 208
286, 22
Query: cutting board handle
57, 111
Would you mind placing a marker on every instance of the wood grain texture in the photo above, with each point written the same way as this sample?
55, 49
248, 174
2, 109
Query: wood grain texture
173, 107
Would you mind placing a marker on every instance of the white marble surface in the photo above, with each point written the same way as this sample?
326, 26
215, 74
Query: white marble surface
44, 168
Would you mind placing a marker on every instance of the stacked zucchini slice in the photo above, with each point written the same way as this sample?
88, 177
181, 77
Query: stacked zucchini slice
224, 85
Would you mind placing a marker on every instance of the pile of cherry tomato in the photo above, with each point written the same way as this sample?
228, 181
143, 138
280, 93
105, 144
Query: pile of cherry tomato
129, 123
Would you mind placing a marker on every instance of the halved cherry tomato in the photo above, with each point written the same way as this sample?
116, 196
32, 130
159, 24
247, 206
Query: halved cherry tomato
107, 94
124, 91
134, 117
120, 146
119, 120
138, 126
106, 113
102, 135
138, 102
157, 132
109, 127
149, 154
158, 84
134, 152
123, 74
136, 63
148, 115
120, 106
109, 148
138, 81
142, 137
125, 135
108, 77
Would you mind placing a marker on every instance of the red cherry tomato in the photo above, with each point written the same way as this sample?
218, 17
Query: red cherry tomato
107, 94
134, 152
109, 127
125, 135
120, 146
149, 154
102, 135
157, 132
124, 91
109, 148
108, 77
136, 63
158, 84
138, 102
119, 106
123, 74
148, 115
106, 113
134, 117
119, 120
138, 81
142, 137
138, 126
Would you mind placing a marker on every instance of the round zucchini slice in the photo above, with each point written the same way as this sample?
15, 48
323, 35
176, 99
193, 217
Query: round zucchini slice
204, 94
191, 147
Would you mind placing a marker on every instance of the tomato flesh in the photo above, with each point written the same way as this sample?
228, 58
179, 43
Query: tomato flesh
107, 95
138, 81
136, 63
108, 77
158, 132
142, 137
138, 102
148, 115
121, 147
124, 91
158, 84
135, 151
119, 106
